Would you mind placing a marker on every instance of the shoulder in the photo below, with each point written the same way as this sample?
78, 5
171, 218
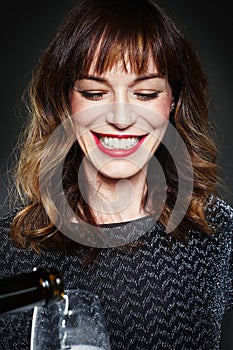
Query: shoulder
11, 257
219, 214
7, 218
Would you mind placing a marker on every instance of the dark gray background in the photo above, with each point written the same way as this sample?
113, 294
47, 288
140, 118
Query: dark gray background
27, 27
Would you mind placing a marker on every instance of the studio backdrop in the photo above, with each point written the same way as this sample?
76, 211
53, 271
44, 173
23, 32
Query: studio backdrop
27, 27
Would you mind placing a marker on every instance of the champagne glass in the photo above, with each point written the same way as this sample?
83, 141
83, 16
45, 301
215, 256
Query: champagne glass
76, 322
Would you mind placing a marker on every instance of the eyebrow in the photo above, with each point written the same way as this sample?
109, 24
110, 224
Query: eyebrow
149, 76
103, 80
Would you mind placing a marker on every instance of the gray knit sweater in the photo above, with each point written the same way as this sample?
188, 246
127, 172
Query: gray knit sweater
155, 298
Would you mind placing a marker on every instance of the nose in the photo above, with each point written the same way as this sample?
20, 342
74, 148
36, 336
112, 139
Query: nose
121, 115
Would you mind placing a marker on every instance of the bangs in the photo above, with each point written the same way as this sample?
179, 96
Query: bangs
118, 34
131, 53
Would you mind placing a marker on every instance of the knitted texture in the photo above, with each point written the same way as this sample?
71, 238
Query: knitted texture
157, 297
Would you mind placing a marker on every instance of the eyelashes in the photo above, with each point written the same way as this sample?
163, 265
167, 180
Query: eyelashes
97, 96
147, 97
93, 96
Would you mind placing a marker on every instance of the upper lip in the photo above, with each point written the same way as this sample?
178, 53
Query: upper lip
119, 136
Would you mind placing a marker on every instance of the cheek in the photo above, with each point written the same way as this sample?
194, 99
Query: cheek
163, 107
80, 116
84, 139
72, 101
77, 104
159, 117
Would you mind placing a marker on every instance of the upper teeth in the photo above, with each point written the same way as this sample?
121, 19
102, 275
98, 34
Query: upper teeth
124, 143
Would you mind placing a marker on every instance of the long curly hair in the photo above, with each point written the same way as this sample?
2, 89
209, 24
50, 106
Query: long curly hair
138, 30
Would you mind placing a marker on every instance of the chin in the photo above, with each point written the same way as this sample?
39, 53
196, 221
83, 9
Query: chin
120, 169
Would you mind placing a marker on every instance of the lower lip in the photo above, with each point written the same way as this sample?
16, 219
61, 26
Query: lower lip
118, 153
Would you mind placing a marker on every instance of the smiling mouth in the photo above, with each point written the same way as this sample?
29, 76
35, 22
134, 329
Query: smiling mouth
118, 145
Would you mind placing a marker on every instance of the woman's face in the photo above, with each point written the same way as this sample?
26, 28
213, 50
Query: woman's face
120, 118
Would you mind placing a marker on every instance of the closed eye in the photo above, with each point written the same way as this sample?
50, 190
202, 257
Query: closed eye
93, 96
146, 96
98, 95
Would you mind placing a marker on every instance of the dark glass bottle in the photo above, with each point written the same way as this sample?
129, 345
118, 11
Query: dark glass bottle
41, 287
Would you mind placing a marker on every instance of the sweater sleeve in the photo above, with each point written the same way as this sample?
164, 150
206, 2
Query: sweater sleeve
220, 217
229, 281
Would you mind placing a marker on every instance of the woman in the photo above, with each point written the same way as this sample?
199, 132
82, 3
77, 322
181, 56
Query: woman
118, 140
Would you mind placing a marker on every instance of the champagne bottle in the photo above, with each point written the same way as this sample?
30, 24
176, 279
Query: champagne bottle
40, 287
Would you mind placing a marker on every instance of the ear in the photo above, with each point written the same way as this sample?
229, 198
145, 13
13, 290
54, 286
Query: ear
172, 105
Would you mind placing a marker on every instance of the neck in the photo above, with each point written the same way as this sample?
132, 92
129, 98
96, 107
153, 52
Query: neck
114, 200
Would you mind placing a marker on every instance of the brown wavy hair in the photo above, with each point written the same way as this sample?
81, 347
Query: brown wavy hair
138, 30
